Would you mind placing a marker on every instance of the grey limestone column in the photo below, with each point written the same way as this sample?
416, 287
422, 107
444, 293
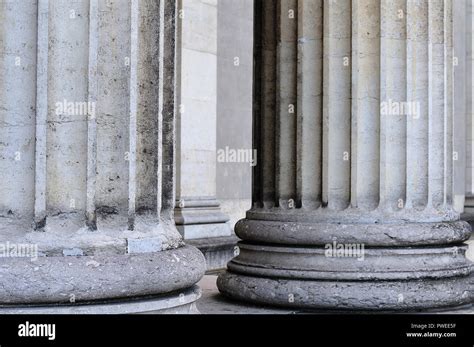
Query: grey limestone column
87, 128
353, 191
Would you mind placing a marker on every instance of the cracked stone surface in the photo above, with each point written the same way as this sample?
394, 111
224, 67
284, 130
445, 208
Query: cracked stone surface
212, 302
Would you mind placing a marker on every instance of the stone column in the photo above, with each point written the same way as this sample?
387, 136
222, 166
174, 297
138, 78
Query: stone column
87, 110
198, 215
352, 194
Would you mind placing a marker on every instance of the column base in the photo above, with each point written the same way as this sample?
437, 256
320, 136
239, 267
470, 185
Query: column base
62, 280
293, 229
359, 266
182, 302
348, 295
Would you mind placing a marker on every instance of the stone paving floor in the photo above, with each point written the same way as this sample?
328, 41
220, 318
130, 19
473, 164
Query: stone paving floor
212, 302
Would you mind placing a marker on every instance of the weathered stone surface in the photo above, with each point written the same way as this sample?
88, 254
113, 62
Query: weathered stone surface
340, 169
91, 155
88, 278
348, 295
293, 232
212, 302
352, 263
182, 302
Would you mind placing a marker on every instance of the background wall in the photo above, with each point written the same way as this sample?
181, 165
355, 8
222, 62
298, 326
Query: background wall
234, 106
470, 95
197, 98
469, 207
215, 97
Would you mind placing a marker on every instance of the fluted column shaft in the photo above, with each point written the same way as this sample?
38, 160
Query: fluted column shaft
353, 114
87, 121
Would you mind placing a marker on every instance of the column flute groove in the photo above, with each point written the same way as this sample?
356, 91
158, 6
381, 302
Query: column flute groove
337, 65
417, 97
286, 84
92, 118
41, 113
309, 105
449, 103
365, 104
268, 120
393, 126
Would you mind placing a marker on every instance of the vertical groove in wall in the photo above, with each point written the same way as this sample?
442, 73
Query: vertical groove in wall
132, 157
67, 107
417, 95
393, 96
92, 118
161, 102
165, 112
366, 103
267, 149
436, 104
309, 104
257, 101
449, 105
336, 187
470, 99
147, 189
287, 32
18, 35
460, 75
113, 115
168, 108
178, 95
41, 112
